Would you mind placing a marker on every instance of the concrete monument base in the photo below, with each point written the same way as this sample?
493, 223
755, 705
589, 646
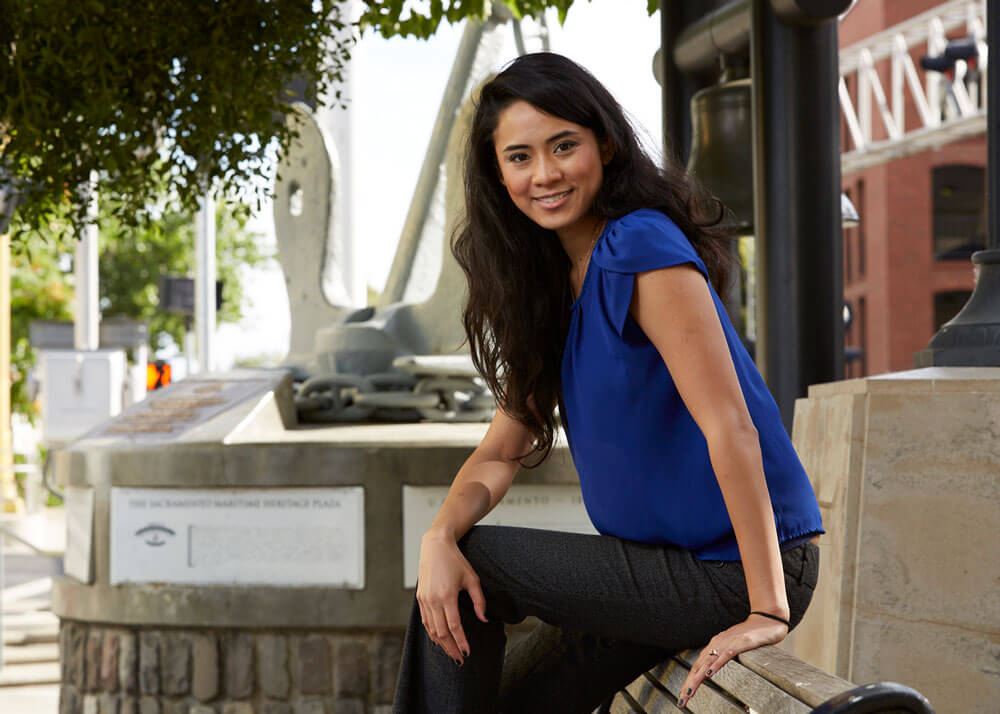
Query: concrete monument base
906, 467
224, 559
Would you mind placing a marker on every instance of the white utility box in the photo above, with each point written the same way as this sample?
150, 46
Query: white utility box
80, 390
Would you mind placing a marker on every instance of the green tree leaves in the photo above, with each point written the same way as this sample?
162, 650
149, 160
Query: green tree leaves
110, 86
132, 259
118, 86
395, 17
39, 291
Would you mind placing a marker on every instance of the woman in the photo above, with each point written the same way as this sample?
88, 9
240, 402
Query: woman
593, 283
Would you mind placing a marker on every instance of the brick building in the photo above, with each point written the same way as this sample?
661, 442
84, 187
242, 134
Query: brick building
906, 266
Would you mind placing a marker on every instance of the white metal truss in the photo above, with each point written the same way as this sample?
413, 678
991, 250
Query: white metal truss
531, 29
948, 108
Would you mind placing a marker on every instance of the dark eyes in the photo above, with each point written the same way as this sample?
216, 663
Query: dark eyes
561, 147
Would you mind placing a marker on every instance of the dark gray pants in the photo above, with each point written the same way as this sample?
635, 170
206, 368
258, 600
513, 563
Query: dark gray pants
612, 609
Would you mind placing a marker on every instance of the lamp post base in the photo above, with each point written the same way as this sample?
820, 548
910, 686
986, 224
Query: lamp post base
972, 337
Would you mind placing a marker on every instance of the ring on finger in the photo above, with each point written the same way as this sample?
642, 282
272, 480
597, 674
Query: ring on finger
714, 652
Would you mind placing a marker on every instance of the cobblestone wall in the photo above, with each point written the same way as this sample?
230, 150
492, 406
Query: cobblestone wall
120, 670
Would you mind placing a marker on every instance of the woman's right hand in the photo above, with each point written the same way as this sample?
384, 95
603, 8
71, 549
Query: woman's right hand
444, 573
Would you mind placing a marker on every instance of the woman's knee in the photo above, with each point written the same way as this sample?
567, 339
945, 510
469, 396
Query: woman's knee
481, 544
485, 547
800, 593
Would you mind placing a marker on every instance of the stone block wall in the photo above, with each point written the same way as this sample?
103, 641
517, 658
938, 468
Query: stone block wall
126, 670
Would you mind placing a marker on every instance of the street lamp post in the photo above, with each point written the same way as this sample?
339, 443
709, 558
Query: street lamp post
797, 220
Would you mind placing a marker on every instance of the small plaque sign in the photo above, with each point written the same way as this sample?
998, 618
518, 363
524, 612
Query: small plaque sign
289, 536
550, 507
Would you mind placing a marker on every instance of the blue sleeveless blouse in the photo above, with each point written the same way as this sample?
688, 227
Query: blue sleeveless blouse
643, 462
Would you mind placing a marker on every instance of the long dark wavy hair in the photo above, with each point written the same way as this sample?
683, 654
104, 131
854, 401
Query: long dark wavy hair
517, 315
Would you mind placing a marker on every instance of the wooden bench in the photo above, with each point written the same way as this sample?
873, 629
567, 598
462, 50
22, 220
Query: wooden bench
767, 680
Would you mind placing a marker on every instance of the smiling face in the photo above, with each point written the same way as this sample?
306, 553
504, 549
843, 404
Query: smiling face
551, 167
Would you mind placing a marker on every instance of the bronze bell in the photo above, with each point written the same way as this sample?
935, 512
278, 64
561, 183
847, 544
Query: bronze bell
722, 148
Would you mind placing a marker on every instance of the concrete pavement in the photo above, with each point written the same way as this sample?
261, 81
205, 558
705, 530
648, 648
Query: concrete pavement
29, 679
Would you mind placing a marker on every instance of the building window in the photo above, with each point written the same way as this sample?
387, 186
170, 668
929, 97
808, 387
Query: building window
855, 359
959, 204
848, 272
859, 206
851, 352
948, 304
862, 319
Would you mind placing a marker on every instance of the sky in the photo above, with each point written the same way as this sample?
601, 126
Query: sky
395, 96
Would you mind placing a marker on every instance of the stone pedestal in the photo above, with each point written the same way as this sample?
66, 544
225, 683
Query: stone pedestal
215, 469
906, 468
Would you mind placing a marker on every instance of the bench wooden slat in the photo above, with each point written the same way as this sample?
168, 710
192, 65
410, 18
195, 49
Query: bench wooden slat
707, 700
750, 688
810, 684
623, 703
650, 698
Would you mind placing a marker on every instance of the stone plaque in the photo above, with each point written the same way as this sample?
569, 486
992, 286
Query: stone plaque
79, 533
551, 507
288, 536
169, 412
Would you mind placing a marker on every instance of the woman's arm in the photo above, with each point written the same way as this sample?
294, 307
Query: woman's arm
484, 478
674, 307
444, 572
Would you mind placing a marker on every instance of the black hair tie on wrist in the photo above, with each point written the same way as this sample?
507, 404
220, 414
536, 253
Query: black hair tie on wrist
773, 617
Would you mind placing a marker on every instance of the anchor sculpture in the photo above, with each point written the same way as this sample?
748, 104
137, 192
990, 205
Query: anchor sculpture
403, 359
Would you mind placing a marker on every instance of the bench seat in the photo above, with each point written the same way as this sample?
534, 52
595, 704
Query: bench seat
767, 680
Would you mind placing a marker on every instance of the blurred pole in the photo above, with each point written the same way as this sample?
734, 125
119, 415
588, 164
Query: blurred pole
204, 283
800, 329
676, 122
993, 126
189, 346
86, 325
8, 485
9, 199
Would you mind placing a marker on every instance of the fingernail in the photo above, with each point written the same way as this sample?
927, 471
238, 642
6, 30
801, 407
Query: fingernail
688, 692
680, 703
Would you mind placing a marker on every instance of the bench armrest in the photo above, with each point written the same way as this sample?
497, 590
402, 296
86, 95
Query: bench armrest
873, 698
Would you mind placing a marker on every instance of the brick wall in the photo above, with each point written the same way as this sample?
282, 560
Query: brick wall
901, 275
118, 670
895, 240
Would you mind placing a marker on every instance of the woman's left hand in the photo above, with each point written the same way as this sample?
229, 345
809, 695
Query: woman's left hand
753, 632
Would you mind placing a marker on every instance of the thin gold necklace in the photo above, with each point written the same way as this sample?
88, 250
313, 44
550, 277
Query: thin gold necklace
585, 261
